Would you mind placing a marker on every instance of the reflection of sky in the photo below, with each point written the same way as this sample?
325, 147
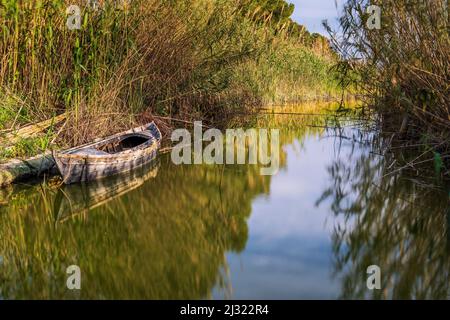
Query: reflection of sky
289, 250
311, 13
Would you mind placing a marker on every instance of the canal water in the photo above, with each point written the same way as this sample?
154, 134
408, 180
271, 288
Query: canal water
337, 206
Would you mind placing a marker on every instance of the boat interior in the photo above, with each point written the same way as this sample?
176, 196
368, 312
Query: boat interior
124, 144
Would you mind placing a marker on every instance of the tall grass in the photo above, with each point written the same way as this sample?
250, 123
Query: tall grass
403, 68
289, 73
171, 58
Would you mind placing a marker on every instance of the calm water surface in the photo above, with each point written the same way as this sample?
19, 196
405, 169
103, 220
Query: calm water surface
224, 232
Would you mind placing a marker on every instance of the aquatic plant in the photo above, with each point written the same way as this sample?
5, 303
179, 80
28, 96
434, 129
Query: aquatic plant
402, 67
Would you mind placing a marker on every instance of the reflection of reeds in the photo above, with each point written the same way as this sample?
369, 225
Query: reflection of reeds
391, 221
164, 240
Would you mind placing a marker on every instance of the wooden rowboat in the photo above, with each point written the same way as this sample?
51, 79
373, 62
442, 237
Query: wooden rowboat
113, 155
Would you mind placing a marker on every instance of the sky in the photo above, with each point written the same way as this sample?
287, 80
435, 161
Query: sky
311, 13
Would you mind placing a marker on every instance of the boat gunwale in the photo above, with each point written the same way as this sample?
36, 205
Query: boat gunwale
119, 156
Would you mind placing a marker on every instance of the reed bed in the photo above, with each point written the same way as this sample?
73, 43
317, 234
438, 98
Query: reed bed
125, 64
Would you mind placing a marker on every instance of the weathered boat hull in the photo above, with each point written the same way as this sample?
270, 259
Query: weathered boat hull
76, 168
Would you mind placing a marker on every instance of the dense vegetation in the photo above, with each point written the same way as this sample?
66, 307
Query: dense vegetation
404, 70
197, 59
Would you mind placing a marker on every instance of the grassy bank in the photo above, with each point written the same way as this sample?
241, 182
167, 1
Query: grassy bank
403, 68
146, 59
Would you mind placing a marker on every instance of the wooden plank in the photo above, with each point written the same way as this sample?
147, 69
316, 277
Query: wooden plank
32, 130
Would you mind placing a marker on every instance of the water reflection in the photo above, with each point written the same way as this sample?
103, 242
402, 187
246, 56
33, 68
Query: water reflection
164, 240
195, 232
390, 220
81, 199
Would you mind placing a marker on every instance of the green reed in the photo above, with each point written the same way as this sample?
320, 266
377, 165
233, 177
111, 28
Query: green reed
171, 58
